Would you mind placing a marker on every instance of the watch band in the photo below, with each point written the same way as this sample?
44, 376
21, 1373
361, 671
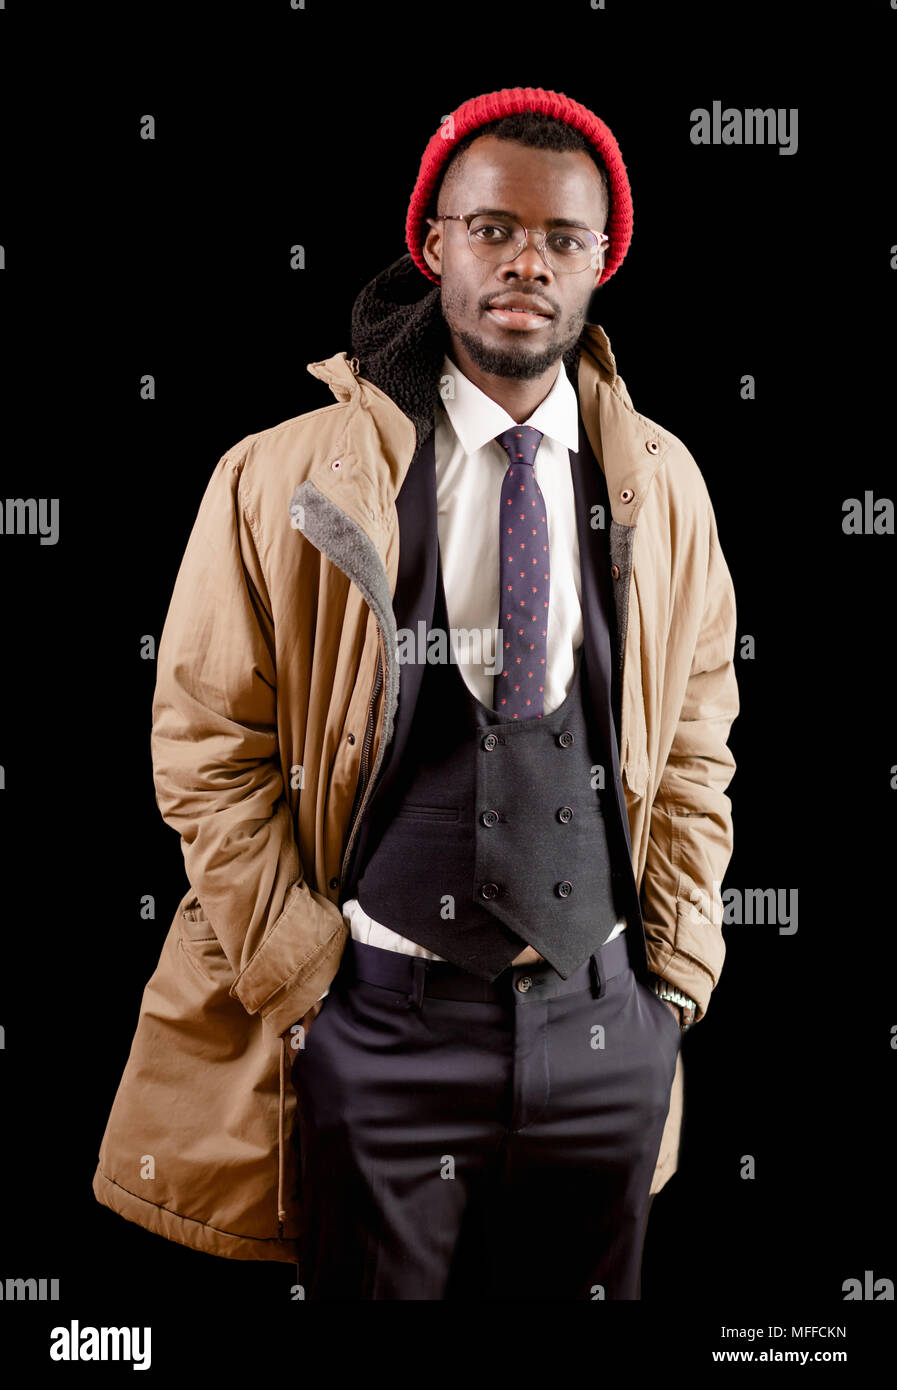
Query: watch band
687, 1006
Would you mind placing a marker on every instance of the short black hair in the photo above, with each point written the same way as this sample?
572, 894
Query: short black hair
532, 128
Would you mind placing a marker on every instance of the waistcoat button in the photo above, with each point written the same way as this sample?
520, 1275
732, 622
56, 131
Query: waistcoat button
489, 890
489, 742
524, 983
564, 889
565, 739
490, 817
565, 814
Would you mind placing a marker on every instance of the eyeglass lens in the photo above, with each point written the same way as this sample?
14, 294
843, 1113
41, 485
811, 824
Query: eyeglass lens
498, 239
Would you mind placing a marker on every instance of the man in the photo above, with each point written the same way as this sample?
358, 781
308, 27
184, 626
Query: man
492, 867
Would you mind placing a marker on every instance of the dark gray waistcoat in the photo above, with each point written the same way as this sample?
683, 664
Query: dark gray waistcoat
485, 834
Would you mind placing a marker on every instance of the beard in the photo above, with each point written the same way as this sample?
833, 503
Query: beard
513, 362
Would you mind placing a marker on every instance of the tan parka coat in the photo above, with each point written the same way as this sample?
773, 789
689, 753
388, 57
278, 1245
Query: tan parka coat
276, 674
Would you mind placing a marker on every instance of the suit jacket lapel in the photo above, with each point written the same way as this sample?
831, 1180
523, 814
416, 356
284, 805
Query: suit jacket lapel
600, 676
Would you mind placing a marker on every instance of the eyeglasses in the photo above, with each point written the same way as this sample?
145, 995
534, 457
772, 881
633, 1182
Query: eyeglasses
497, 238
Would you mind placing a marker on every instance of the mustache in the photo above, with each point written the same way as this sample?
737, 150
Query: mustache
535, 294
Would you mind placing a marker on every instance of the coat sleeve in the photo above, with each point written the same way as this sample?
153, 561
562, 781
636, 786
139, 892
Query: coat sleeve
217, 772
690, 837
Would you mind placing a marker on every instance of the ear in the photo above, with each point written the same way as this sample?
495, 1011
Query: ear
432, 247
598, 273
599, 270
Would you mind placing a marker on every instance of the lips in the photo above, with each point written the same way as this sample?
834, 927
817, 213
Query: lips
520, 313
522, 303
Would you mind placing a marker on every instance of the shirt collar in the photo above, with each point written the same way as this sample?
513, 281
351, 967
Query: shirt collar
476, 418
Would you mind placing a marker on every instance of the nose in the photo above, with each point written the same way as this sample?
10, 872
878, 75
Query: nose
528, 264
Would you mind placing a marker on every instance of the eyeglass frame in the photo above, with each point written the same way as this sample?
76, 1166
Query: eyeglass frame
603, 238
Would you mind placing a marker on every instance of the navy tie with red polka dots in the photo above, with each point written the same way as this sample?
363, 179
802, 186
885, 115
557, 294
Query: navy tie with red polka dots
524, 570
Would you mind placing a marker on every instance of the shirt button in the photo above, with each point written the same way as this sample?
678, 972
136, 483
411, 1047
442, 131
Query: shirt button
565, 814
489, 742
565, 739
564, 889
490, 817
524, 983
489, 890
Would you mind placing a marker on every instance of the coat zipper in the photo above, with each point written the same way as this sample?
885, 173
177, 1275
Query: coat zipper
362, 789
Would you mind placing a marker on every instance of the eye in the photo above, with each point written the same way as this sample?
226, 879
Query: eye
567, 243
489, 232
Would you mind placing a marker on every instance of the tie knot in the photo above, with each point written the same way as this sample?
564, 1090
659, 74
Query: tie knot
520, 443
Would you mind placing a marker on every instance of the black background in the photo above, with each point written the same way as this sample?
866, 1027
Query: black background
171, 257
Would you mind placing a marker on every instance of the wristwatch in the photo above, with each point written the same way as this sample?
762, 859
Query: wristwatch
687, 1007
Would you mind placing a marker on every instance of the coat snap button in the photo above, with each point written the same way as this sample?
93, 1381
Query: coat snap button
337, 463
351, 738
524, 983
334, 883
615, 571
489, 742
489, 890
627, 494
490, 817
652, 446
565, 739
565, 888
565, 814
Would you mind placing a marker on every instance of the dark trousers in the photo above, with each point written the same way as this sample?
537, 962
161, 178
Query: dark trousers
473, 1141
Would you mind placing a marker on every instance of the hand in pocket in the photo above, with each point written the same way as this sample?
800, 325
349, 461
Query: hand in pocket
297, 1038
674, 1010
312, 1014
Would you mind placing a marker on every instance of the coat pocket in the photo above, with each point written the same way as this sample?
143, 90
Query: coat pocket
200, 945
193, 922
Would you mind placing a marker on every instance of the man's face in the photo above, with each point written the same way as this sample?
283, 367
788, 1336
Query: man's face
537, 187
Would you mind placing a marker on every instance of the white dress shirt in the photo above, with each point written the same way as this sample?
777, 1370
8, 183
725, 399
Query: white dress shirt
470, 469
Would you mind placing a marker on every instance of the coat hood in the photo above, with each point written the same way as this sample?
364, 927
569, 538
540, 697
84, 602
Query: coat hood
399, 337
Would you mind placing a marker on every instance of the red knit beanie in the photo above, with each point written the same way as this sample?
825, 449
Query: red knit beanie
478, 111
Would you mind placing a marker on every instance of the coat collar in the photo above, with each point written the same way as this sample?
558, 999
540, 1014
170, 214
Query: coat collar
399, 343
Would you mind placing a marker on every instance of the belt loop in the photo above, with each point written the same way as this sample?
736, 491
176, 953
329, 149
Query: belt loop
416, 993
599, 979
